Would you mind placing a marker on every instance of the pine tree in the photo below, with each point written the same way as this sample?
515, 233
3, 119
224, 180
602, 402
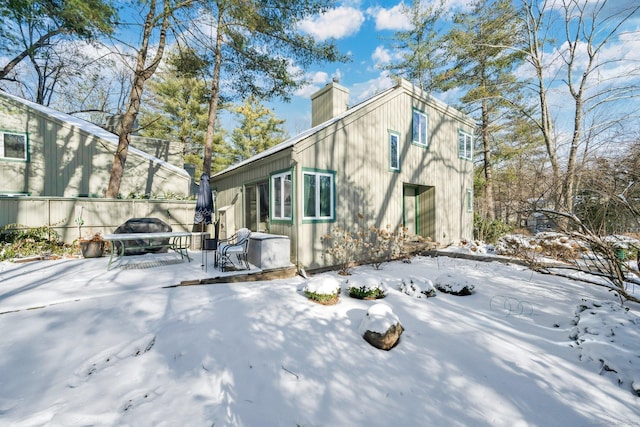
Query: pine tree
178, 107
259, 129
481, 44
254, 46
420, 47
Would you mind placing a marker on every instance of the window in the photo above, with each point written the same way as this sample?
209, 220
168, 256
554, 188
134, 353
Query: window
13, 146
394, 151
281, 199
469, 201
420, 128
318, 195
465, 143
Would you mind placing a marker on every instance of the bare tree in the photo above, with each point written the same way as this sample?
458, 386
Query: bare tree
157, 18
30, 26
593, 78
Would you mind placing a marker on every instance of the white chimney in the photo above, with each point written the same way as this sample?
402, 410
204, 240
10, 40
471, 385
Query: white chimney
328, 102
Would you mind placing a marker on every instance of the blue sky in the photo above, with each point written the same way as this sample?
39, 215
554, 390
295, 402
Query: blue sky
359, 28
362, 28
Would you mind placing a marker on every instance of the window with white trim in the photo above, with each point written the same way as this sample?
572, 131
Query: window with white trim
318, 188
465, 144
281, 196
13, 145
394, 151
469, 200
420, 128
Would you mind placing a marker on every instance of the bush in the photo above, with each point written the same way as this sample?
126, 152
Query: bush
370, 245
323, 290
18, 241
488, 231
417, 287
366, 288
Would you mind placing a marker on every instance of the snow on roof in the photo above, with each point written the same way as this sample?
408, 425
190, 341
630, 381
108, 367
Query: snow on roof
292, 141
92, 129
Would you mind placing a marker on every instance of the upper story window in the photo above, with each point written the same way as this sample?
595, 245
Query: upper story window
420, 128
465, 145
319, 195
394, 151
13, 145
281, 196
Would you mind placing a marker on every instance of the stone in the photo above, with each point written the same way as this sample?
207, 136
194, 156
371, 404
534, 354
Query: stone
381, 327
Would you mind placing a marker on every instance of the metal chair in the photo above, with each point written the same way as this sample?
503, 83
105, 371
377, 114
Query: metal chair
236, 247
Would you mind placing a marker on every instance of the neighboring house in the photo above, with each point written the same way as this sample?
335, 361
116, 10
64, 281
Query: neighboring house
44, 152
400, 157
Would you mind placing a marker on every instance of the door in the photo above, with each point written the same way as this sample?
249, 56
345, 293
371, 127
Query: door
256, 206
419, 210
409, 209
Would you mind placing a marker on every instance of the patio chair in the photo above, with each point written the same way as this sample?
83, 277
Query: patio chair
236, 247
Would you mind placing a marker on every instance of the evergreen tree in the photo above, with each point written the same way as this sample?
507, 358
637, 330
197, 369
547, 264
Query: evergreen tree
259, 129
482, 44
254, 46
420, 47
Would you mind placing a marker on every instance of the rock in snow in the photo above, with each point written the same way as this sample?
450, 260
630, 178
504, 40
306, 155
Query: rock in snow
381, 327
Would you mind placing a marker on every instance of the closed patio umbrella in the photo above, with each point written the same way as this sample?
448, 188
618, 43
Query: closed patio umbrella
204, 209
204, 203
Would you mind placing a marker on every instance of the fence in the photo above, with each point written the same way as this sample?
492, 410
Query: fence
75, 217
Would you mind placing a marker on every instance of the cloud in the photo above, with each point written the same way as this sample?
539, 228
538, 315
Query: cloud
390, 19
382, 56
336, 23
316, 81
365, 90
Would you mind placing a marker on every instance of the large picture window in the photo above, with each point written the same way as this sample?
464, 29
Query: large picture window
281, 196
465, 144
394, 151
318, 195
13, 146
420, 128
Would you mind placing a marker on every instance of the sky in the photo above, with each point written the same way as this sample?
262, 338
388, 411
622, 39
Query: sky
85, 346
362, 29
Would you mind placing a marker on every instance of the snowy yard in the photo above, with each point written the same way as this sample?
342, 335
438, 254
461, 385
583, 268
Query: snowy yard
85, 346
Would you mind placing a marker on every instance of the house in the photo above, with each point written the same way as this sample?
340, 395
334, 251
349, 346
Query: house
44, 152
400, 157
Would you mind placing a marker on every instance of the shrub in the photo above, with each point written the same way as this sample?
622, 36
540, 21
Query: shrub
453, 284
418, 288
366, 288
343, 246
19, 241
323, 290
371, 245
489, 231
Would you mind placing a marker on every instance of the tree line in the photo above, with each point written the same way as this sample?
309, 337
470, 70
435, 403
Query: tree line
555, 98
553, 94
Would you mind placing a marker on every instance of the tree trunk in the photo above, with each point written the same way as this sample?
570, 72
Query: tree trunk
215, 98
141, 75
488, 166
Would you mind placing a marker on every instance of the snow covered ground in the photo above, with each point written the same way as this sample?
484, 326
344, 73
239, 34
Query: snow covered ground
84, 346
